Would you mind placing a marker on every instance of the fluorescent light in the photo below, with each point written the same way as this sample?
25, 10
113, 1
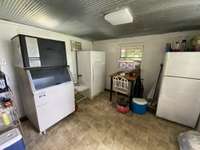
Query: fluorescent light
46, 21
122, 16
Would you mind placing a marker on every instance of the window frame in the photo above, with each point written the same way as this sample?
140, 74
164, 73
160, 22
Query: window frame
131, 46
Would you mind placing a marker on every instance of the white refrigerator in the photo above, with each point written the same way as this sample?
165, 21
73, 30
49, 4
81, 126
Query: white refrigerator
179, 98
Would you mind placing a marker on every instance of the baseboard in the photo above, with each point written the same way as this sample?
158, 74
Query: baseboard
107, 90
22, 119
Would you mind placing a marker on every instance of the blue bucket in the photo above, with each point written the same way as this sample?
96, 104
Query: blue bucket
139, 106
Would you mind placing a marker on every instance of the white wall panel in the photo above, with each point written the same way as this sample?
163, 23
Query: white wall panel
154, 47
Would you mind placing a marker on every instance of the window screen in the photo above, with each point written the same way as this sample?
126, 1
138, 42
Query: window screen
133, 52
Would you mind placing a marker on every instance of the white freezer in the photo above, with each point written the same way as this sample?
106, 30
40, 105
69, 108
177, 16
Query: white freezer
45, 85
45, 107
53, 104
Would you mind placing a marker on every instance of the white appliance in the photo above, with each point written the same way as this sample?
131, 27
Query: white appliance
179, 98
45, 85
91, 67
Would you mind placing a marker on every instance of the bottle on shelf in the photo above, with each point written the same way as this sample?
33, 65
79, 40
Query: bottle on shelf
6, 117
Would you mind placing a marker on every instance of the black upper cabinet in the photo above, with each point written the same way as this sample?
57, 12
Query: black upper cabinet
52, 53
39, 52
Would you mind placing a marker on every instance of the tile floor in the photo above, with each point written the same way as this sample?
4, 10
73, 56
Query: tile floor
97, 126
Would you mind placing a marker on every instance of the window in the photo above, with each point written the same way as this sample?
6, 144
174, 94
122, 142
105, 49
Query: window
132, 52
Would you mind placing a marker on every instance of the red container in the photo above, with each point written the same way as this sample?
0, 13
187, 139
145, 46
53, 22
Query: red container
122, 109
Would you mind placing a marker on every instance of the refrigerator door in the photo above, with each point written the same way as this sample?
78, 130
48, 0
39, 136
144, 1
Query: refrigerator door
84, 68
179, 100
182, 64
98, 72
98, 78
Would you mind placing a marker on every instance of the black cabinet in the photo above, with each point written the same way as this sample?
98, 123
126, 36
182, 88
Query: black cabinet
40, 52
52, 53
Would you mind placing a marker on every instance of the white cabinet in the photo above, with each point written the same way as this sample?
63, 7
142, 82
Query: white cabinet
91, 67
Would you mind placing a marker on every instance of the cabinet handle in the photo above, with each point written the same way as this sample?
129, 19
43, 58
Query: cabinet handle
40, 96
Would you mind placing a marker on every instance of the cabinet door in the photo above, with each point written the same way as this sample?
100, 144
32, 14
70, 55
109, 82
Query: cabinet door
179, 100
98, 72
52, 53
33, 52
32, 47
98, 78
84, 68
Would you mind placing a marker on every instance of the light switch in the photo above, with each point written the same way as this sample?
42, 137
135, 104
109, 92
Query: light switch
2, 62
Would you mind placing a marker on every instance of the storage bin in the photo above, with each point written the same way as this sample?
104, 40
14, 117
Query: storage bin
123, 105
11, 140
139, 105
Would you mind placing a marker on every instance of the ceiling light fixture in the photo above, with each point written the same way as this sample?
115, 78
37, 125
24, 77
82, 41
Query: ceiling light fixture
46, 21
119, 17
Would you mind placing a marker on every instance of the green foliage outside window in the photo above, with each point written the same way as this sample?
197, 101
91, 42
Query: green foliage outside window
132, 53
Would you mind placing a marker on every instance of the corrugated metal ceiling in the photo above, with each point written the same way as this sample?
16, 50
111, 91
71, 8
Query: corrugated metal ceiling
85, 18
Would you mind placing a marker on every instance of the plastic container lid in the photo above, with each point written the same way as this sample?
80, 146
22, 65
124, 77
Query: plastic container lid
140, 101
9, 138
